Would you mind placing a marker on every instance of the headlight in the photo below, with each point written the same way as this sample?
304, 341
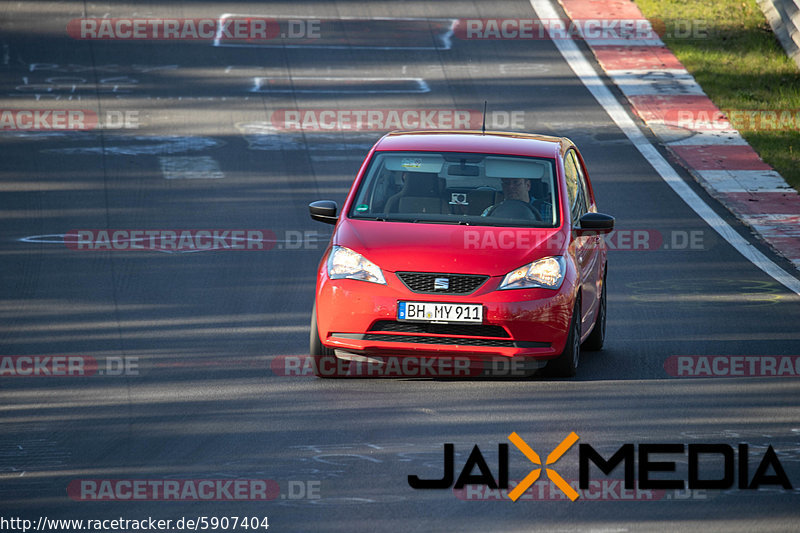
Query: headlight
547, 273
344, 263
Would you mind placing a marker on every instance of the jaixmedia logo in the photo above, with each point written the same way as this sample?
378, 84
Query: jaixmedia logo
642, 469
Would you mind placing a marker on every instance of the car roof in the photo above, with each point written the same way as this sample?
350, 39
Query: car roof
493, 142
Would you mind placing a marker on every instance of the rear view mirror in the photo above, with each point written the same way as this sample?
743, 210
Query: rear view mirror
595, 223
463, 170
324, 211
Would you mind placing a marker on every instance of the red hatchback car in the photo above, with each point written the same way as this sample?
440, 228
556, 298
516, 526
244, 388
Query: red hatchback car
463, 243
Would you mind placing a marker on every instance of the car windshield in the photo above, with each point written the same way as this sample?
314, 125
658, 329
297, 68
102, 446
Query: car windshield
458, 188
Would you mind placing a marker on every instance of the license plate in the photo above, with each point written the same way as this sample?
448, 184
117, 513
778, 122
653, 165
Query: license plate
440, 312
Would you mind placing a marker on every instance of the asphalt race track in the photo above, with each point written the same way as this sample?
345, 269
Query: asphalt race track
203, 147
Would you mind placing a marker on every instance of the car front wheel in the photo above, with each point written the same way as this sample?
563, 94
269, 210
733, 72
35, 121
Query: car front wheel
597, 337
566, 364
324, 359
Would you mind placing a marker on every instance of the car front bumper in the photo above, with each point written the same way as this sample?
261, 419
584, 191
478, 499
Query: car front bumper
360, 318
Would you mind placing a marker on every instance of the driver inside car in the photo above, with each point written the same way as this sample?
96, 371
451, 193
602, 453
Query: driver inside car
517, 201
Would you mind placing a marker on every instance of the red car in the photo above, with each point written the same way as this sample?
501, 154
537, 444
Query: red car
463, 243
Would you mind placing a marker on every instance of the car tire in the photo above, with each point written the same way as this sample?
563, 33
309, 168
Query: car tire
566, 364
596, 339
323, 357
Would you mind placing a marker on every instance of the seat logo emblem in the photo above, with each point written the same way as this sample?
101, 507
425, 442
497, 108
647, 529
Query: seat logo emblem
441, 284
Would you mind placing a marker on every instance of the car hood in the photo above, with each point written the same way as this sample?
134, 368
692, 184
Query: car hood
493, 251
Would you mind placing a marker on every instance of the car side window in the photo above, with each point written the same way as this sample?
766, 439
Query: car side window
571, 175
575, 186
582, 181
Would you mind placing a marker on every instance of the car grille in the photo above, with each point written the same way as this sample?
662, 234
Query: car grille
423, 282
469, 330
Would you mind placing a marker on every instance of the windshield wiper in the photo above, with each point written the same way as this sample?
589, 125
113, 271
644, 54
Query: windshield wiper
386, 219
453, 222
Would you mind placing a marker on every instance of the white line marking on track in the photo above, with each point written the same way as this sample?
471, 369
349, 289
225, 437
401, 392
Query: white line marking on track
52, 238
324, 84
583, 69
648, 81
697, 133
625, 42
745, 181
71, 238
191, 168
443, 40
141, 145
336, 157
265, 136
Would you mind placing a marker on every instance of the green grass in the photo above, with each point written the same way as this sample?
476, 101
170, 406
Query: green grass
740, 65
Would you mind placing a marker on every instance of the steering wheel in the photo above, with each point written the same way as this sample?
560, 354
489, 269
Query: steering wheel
515, 209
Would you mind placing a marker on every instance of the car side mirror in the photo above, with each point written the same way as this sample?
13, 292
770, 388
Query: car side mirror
324, 211
595, 223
